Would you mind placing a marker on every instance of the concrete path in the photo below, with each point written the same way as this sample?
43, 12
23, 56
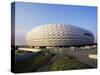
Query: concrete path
45, 66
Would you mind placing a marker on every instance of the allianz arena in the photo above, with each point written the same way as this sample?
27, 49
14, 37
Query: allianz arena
52, 35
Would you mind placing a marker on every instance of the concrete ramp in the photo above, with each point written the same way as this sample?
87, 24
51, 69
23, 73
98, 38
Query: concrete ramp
30, 49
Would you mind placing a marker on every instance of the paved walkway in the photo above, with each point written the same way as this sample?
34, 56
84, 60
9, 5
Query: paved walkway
45, 66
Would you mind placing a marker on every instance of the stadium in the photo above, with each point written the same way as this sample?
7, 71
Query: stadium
58, 35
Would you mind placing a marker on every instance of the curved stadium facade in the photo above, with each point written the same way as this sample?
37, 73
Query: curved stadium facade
51, 35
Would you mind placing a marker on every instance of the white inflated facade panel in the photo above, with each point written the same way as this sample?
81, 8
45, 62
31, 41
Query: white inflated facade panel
58, 35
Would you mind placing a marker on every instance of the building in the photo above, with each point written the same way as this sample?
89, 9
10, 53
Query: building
58, 35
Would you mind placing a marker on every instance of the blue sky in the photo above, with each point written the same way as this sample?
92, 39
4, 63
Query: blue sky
30, 15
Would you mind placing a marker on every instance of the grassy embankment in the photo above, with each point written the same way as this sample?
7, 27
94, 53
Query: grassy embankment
63, 62
32, 63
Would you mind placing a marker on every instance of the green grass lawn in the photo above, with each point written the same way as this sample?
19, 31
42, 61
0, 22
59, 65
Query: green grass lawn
63, 62
32, 63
